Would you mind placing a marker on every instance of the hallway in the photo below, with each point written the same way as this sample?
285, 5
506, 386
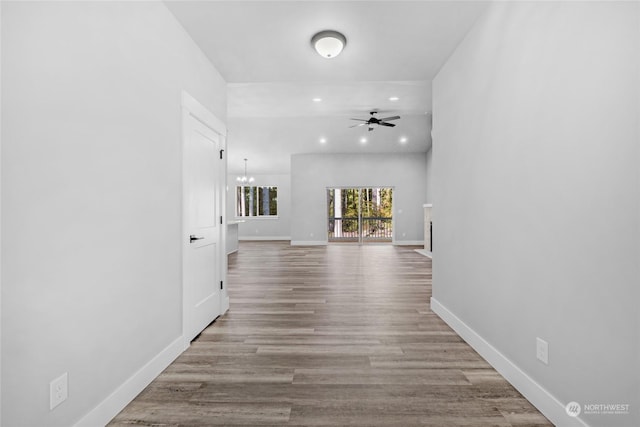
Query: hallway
337, 335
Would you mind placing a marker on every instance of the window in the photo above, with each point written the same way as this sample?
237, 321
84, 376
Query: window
256, 201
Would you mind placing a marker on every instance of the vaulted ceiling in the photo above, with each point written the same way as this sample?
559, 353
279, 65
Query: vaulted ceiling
263, 50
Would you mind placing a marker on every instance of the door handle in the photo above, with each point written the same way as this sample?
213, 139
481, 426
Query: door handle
193, 237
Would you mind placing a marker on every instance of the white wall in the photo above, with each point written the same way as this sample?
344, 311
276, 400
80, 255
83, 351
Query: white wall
91, 196
312, 174
0, 212
537, 196
264, 228
429, 171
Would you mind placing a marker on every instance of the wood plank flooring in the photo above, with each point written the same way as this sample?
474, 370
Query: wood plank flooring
329, 336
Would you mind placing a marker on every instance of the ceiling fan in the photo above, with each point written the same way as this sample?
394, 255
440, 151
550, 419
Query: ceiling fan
373, 120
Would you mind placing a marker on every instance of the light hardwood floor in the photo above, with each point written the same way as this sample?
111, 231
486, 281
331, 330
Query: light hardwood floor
329, 336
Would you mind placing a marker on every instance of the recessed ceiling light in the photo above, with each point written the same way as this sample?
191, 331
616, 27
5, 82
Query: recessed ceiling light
363, 140
328, 43
393, 98
323, 140
317, 99
403, 140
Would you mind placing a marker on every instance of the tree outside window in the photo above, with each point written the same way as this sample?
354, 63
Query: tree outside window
256, 201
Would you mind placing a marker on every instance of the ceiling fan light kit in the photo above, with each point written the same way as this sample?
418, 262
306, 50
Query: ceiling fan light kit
328, 43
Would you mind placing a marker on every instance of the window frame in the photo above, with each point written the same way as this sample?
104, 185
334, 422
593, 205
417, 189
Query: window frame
240, 215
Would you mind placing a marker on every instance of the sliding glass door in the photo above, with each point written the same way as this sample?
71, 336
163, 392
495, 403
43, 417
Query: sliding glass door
360, 215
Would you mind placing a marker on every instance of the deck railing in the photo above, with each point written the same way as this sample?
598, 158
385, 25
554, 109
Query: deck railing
348, 229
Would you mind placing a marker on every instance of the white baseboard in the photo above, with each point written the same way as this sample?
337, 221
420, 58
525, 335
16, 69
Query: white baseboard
254, 238
539, 397
424, 252
308, 243
324, 243
116, 401
409, 243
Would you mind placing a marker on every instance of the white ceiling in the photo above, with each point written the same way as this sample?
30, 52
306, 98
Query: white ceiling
262, 49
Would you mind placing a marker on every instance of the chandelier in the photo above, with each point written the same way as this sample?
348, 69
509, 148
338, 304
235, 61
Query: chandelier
245, 179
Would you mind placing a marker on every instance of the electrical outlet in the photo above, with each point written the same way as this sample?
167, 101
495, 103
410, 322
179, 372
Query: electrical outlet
58, 391
542, 351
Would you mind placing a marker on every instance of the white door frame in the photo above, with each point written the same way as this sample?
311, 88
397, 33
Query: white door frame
191, 108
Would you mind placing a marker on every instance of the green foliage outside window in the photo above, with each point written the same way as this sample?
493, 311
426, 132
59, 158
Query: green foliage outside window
256, 201
374, 203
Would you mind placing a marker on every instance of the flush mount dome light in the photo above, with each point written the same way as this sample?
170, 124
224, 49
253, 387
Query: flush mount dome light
328, 43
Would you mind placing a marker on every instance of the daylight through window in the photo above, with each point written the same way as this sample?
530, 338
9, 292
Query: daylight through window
256, 201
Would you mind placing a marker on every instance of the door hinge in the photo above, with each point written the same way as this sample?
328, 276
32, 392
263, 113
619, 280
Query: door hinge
221, 285
220, 219
221, 151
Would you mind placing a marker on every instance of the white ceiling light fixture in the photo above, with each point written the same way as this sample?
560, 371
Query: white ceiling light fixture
403, 140
328, 43
363, 140
317, 99
323, 140
245, 179
393, 98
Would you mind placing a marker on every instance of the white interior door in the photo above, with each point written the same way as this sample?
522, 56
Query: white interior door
202, 228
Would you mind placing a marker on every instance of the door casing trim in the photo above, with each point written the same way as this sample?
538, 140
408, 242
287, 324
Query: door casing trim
191, 107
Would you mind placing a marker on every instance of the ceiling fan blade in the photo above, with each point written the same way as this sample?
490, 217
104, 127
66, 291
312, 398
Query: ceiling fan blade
359, 124
360, 120
386, 124
390, 118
